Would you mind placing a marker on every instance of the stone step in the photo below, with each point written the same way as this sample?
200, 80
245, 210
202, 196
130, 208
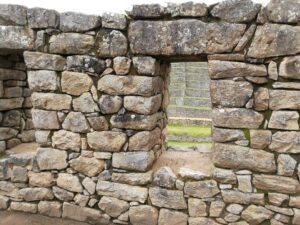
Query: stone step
189, 92
180, 101
188, 112
187, 138
189, 121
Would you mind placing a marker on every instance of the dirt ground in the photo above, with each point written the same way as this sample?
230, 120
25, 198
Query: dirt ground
17, 218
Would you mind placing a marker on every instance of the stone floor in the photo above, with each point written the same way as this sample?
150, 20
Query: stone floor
16, 218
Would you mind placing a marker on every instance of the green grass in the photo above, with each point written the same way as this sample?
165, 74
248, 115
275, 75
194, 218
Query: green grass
189, 130
190, 107
187, 144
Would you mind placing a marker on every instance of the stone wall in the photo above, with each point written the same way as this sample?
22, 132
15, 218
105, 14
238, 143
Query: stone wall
100, 92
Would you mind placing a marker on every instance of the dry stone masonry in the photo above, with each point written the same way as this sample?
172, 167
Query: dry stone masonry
99, 94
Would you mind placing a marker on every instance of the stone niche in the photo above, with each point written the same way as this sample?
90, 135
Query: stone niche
98, 88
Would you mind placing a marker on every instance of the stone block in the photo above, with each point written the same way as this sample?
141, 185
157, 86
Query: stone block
284, 120
143, 215
78, 22
201, 189
143, 105
133, 178
76, 122
69, 182
43, 119
146, 65
85, 63
232, 196
51, 101
285, 142
283, 11
114, 21
16, 38
13, 15
42, 18
36, 194
113, 206
50, 208
42, 80
111, 43
75, 83
11, 103
88, 166
24, 207
41, 179
51, 159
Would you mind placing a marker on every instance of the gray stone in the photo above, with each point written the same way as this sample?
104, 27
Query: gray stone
294, 201
197, 207
244, 183
50, 208
279, 184
114, 21
143, 105
216, 208
236, 11
88, 166
167, 198
202, 221
78, 22
42, 137
42, 18
62, 194
226, 135
246, 38
285, 142
235, 208
296, 218
75, 83
51, 101
261, 99
256, 214
144, 140
69, 182
287, 11
85, 103
146, 65
85, 63
43, 119
201, 189
236, 118
42, 80
12, 92
76, 122
110, 104
136, 161
19, 174
164, 177
4, 202
286, 85
147, 11
71, 43
277, 198
229, 93
98, 123
122, 191
11, 103
281, 210
24, 207
84, 214
284, 120
121, 65
143, 215
107, 141
188, 9
51, 159
13, 15
268, 38
16, 38
232, 196
272, 70
41, 179
133, 178
278, 99
135, 121
190, 174
7, 133
167, 217
66, 140
8, 74
289, 67
260, 139
36, 194
162, 37
111, 43
238, 157
113, 206
224, 176
130, 85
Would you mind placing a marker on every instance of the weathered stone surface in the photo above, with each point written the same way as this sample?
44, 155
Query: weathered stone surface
19, 174
146, 65
136, 122
11, 103
78, 22
85, 63
197, 207
7, 133
277, 198
89, 185
121, 65
201, 189
246, 38
113, 206
285, 142
36, 194
273, 71
136, 161
167, 217
42, 18
284, 120
202, 221
13, 15
238, 157
8, 74
43, 119
294, 201
12, 92
87, 166
42, 80
226, 135
286, 85
144, 140
16, 38
11, 118
236, 118
260, 139
283, 11
51, 101
278, 99
122, 191
226, 69
268, 41
42, 137
41, 179
164, 177
76, 122
130, 85
261, 99
51, 159
161, 37
85, 103
69, 182
216, 208
143, 215
111, 43
4, 202
147, 11
84, 214
190, 174
143, 105
187, 9
236, 11
244, 183
62, 194
50, 208
107, 141
110, 104
224, 176
167, 198
24, 207
289, 67
98, 123
296, 218
232, 196
114, 21
66, 140
75, 83
230, 93
71, 43
133, 178
256, 214
44, 61
276, 183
